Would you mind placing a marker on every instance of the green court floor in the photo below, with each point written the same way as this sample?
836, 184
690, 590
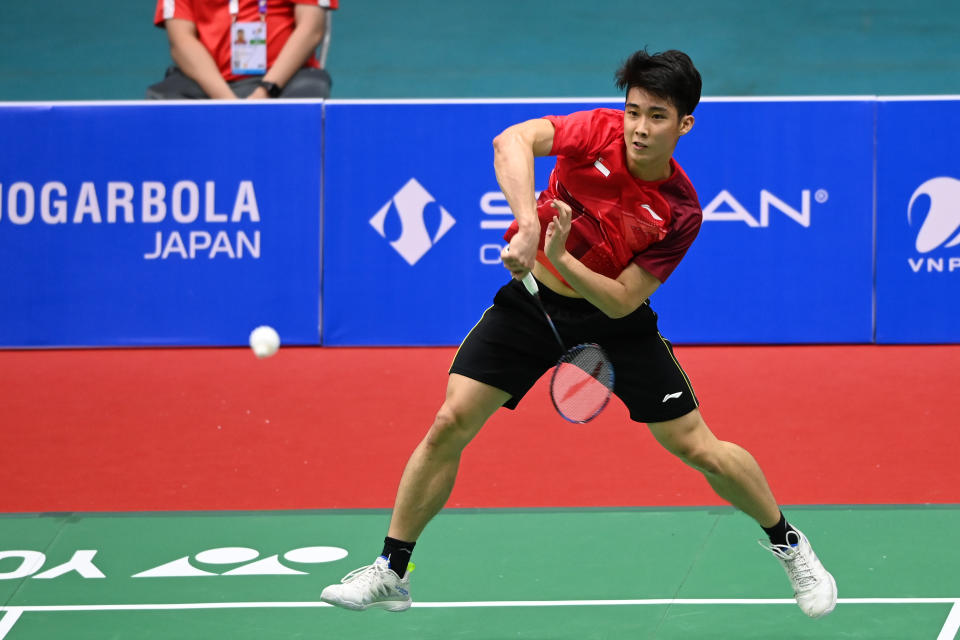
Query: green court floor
542, 573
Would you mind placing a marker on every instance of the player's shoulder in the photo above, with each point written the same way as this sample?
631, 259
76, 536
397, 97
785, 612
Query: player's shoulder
679, 190
586, 133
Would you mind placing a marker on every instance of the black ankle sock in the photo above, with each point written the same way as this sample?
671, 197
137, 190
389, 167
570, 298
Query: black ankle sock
778, 532
397, 553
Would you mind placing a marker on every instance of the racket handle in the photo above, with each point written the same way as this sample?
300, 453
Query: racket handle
531, 284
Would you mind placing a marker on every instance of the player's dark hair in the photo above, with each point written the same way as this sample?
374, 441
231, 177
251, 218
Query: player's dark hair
670, 75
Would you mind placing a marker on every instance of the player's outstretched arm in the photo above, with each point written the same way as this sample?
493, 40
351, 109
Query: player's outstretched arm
513, 153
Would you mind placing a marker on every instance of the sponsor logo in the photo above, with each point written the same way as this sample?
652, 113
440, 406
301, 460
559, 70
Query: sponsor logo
221, 561
723, 208
671, 396
935, 207
409, 206
726, 208
497, 215
186, 203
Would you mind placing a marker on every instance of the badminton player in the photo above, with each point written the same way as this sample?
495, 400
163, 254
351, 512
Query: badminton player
616, 219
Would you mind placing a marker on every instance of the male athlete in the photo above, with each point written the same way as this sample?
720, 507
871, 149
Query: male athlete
615, 220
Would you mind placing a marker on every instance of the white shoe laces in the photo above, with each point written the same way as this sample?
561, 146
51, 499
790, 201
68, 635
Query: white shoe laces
798, 564
373, 581
365, 576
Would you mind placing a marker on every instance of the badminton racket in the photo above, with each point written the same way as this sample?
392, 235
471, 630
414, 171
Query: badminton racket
582, 380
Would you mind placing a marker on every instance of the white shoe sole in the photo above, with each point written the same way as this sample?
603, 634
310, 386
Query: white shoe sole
389, 605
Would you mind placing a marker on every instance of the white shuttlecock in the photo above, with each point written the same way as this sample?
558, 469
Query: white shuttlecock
264, 341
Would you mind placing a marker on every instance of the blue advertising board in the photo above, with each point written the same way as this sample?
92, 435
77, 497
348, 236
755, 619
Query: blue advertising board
159, 224
785, 253
918, 221
414, 218
413, 221
191, 223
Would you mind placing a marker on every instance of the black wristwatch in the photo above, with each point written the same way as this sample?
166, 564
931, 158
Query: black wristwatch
273, 89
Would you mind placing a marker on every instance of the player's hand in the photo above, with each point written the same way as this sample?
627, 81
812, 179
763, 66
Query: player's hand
520, 255
555, 240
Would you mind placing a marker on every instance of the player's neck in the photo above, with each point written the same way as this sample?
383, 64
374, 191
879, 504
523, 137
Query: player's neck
650, 172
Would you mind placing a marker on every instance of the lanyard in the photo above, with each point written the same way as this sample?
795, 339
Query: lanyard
235, 8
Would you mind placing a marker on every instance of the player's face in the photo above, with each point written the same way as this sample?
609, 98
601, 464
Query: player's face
651, 128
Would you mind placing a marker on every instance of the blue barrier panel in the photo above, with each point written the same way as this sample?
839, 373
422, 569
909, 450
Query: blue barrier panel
785, 251
414, 218
918, 221
159, 224
413, 221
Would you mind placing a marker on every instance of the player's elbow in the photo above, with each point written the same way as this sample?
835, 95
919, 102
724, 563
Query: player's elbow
501, 143
509, 141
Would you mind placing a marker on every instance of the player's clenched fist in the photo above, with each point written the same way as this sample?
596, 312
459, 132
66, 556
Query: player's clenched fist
518, 256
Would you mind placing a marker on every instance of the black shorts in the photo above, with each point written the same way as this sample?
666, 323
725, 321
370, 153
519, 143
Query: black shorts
512, 346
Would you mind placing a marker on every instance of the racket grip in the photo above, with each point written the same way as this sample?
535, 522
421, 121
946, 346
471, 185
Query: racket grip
531, 284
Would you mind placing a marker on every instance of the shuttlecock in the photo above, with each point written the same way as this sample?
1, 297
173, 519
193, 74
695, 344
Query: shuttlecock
264, 341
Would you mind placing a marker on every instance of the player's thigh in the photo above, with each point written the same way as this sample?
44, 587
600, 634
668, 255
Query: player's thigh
649, 379
466, 408
510, 347
473, 401
679, 434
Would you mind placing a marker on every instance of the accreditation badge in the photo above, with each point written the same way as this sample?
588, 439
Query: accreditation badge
248, 48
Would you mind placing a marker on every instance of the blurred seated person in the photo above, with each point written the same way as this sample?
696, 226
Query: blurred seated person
251, 49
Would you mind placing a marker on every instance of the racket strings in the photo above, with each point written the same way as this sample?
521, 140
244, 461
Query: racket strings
582, 383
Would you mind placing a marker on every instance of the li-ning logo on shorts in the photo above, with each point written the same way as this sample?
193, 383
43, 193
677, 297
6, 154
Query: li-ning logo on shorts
415, 239
943, 217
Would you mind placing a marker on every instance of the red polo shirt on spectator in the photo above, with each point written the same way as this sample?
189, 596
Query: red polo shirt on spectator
213, 21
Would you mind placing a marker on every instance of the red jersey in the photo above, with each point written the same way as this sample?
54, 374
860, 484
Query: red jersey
213, 21
617, 218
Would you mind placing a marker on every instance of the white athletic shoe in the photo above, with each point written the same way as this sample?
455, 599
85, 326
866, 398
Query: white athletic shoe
374, 586
813, 586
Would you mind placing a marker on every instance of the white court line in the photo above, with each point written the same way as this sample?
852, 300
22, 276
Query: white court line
473, 604
10, 617
12, 614
952, 625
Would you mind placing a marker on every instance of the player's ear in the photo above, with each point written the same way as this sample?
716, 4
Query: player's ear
686, 123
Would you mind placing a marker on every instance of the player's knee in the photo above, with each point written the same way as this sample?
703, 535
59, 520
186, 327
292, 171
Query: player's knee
697, 455
451, 430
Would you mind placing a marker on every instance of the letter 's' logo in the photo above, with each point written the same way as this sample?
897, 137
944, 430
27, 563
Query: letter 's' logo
415, 239
943, 216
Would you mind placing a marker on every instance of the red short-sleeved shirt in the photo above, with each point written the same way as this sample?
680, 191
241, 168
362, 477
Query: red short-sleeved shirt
617, 218
213, 19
